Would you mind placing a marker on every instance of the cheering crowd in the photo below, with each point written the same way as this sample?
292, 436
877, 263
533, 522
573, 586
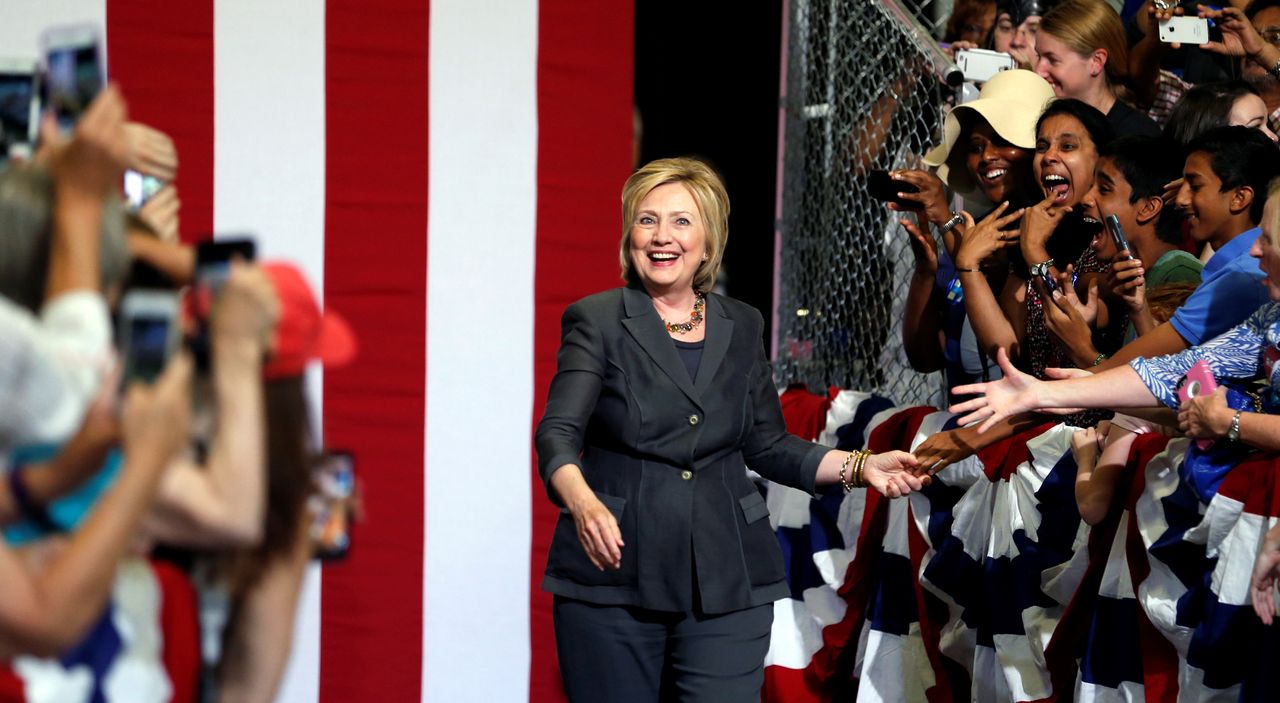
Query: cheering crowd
144, 430
1110, 243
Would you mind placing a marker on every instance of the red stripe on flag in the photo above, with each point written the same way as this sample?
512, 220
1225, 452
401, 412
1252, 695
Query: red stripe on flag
161, 54
585, 70
376, 275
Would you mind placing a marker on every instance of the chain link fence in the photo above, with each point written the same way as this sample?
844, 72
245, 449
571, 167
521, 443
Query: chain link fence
862, 93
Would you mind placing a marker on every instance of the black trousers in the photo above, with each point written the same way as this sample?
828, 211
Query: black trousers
612, 653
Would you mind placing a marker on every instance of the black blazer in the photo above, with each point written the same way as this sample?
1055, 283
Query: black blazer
668, 457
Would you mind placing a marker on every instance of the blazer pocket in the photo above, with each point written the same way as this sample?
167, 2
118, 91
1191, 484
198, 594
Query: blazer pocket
753, 507
568, 559
760, 550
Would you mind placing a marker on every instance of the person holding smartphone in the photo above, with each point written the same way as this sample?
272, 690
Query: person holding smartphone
986, 155
1083, 55
1128, 186
1248, 351
663, 563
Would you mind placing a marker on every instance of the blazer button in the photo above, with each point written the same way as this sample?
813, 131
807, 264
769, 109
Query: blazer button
686, 474
693, 419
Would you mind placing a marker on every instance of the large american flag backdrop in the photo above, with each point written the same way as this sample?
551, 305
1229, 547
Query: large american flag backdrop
447, 172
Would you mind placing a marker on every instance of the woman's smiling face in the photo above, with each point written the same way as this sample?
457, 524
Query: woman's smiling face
1065, 159
997, 166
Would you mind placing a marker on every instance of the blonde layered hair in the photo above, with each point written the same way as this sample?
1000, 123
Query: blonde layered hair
1089, 25
708, 191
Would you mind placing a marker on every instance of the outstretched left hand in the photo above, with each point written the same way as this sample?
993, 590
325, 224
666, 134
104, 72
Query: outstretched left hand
1015, 393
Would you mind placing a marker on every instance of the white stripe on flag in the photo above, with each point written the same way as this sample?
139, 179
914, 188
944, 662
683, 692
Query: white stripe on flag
269, 181
480, 257
24, 21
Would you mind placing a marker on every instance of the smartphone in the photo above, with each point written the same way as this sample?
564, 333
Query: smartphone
331, 505
75, 71
148, 333
1197, 382
1051, 284
979, 65
886, 189
213, 266
213, 259
1184, 30
19, 107
138, 189
1112, 223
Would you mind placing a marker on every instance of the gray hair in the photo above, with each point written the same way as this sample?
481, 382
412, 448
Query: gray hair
26, 228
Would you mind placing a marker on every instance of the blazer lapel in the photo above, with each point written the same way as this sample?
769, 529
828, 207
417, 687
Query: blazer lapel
644, 325
719, 334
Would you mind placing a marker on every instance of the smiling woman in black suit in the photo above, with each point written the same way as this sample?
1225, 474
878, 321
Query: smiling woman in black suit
663, 563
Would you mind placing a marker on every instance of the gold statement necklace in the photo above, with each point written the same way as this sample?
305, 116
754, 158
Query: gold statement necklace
699, 304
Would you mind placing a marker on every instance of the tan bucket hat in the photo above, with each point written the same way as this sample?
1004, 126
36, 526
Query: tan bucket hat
1010, 102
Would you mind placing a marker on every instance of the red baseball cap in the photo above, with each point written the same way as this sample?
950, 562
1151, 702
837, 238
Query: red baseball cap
304, 332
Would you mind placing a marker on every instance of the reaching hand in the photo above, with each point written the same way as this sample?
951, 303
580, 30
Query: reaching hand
156, 418
955, 46
1015, 393
983, 239
150, 152
942, 449
247, 306
1066, 295
92, 162
1059, 374
1084, 446
1265, 569
1129, 284
1239, 38
1206, 416
923, 247
160, 213
931, 198
1071, 321
890, 473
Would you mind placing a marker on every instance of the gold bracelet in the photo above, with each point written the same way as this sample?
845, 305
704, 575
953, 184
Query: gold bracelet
846, 485
859, 480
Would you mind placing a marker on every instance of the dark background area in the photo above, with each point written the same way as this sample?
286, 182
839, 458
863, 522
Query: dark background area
706, 84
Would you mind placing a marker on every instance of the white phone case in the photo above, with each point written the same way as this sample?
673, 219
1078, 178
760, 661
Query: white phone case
1184, 30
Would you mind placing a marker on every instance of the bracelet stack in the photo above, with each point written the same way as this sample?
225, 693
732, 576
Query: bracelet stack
854, 478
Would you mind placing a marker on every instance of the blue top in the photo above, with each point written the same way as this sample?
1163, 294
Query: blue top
69, 510
963, 362
1246, 352
1230, 290
691, 355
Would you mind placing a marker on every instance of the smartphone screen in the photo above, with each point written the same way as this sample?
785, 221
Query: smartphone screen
73, 77
331, 505
138, 189
17, 105
213, 259
148, 350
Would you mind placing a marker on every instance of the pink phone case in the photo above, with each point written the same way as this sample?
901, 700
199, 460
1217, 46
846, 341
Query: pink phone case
1198, 381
